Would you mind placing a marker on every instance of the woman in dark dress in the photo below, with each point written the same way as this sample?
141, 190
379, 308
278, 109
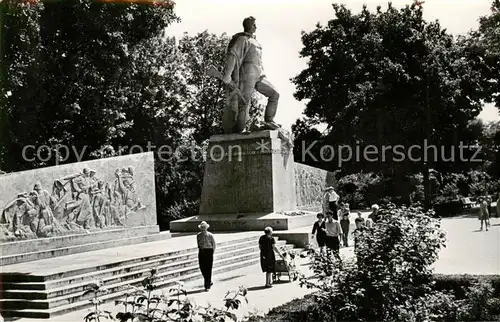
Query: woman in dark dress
319, 229
267, 246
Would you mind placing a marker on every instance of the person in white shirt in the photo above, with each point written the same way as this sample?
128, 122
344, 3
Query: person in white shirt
333, 233
206, 249
330, 201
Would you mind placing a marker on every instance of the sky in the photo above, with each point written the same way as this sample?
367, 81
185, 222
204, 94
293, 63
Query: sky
279, 26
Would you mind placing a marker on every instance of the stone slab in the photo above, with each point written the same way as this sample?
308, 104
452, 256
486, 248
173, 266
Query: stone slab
42, 244
248, 173
72, 200
244, 222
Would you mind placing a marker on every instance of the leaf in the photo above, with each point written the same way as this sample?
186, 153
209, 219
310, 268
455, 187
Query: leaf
141, 299
87, 292
232, 316
91, 316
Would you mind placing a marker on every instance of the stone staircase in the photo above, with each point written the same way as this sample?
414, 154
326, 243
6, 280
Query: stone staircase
50, 287
42, 248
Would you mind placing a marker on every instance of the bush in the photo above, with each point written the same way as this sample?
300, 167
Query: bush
391, 279
150, 304
479, 303
458, 284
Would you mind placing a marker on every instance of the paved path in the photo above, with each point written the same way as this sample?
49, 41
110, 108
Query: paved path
468, 251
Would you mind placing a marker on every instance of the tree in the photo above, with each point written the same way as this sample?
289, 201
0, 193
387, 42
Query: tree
20, 74
86, 57
390, 78
488, 38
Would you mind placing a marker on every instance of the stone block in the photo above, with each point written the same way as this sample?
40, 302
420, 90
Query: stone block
248, 173
78, 198
246, 222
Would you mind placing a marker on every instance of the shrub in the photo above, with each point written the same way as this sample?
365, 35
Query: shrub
479, 304
151, 305
390, 279
459, 284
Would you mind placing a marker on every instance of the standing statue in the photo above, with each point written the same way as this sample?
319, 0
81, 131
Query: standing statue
243, 74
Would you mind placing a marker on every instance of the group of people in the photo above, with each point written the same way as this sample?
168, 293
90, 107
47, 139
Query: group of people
330, 232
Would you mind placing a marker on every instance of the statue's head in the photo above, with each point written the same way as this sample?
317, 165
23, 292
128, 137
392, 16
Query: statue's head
249, 25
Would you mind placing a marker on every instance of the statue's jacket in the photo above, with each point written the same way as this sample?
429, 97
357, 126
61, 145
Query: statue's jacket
248, 58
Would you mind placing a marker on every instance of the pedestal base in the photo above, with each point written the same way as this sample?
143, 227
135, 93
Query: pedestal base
244, 222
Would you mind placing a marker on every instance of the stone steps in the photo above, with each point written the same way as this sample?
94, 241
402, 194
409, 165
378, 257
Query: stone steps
69, 245
58, 292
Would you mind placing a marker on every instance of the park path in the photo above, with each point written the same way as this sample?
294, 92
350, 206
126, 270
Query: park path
468, 251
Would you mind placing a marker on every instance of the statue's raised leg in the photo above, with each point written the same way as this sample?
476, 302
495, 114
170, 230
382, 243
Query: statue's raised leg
264, 87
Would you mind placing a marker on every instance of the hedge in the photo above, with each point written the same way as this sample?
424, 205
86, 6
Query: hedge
458, 283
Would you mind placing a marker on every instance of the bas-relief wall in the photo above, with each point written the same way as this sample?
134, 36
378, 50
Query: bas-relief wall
80, 197
310, 183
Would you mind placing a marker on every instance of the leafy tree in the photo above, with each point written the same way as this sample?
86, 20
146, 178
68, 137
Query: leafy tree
390, 78
20, 75
488, 38
85, 57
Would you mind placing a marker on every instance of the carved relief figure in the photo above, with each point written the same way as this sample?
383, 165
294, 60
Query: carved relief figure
78, 202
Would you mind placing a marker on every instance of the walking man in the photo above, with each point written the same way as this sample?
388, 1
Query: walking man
333, 234
244, 72
206, 249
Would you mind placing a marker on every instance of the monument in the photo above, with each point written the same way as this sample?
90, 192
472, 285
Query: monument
249, 180
73, 204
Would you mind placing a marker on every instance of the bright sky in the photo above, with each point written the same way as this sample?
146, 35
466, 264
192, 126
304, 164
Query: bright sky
279, 24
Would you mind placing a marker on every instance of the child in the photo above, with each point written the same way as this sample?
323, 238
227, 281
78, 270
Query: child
359, 221
345, 223
320, 230
360, 226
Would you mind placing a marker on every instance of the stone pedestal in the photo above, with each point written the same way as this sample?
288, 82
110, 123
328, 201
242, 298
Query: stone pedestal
248, 173
249, 183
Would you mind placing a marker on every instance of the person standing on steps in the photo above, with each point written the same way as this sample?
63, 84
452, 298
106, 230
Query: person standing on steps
206, 249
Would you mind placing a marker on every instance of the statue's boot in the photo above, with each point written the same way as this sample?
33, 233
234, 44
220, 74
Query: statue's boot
271, 126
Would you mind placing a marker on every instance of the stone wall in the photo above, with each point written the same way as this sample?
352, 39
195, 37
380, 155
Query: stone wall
77, 198
310, 183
